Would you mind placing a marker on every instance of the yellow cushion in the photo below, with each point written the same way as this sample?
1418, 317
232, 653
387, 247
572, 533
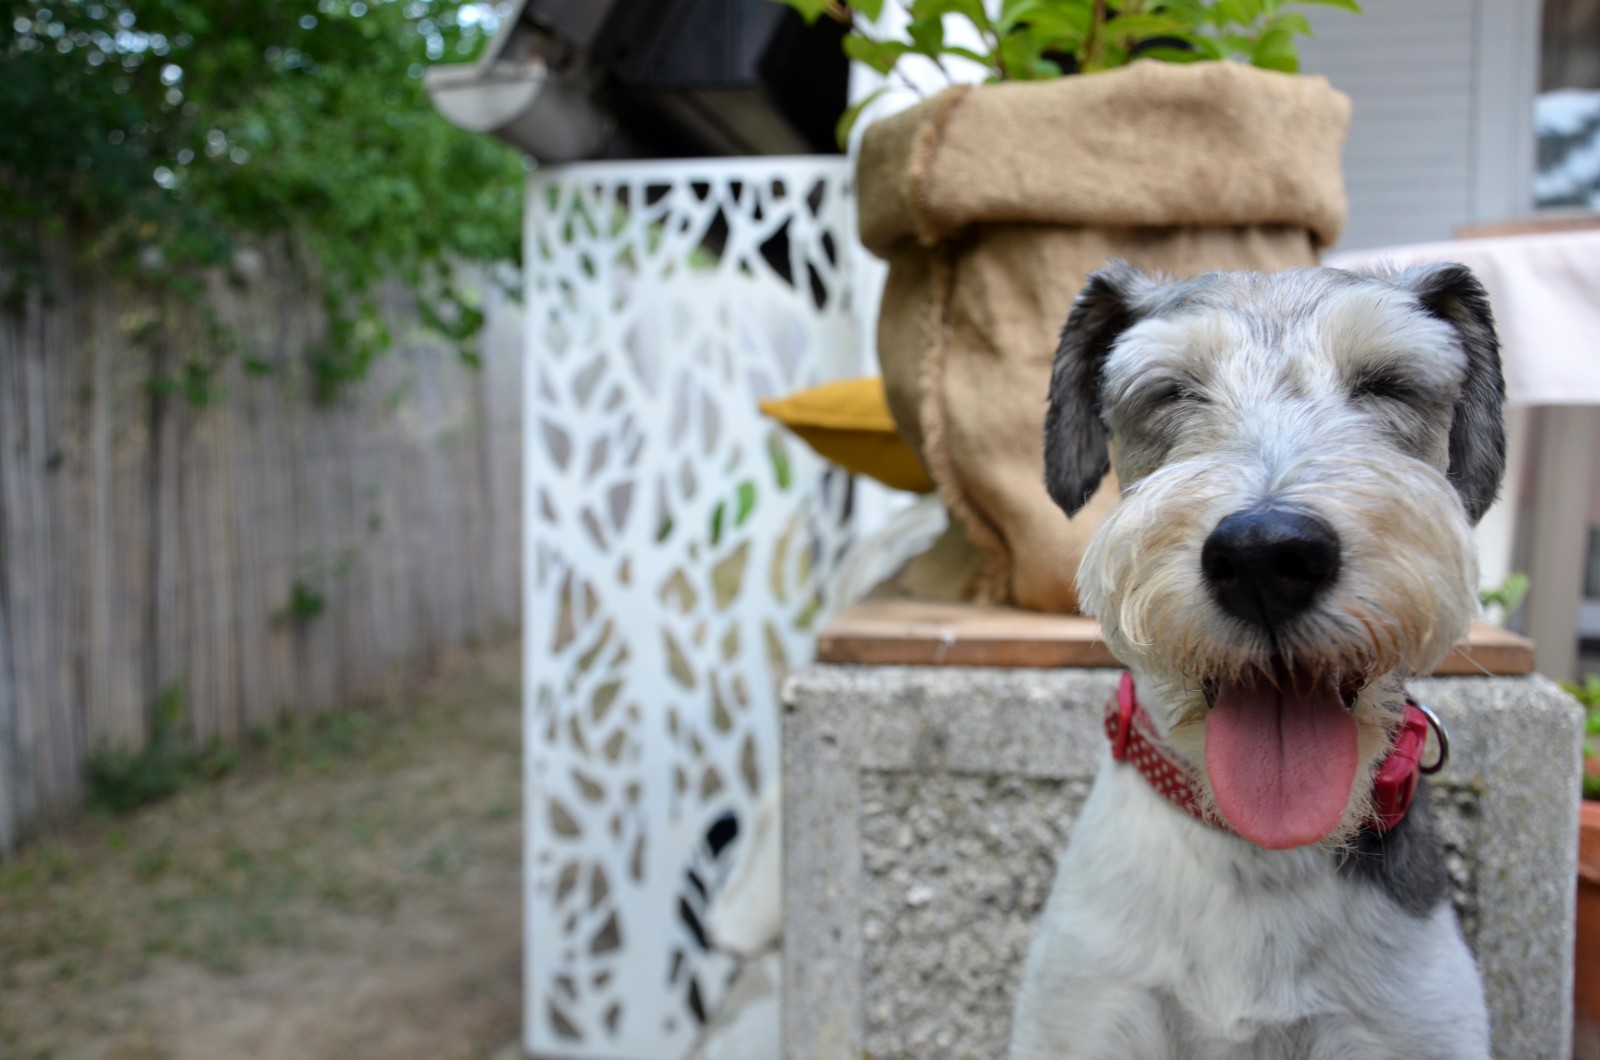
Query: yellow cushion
848, 422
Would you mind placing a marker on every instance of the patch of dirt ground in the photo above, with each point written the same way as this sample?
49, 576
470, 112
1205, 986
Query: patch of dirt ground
351, 888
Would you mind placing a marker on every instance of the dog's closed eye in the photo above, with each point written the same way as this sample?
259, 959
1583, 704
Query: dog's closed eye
1172, 392
1149, 393
1391, 384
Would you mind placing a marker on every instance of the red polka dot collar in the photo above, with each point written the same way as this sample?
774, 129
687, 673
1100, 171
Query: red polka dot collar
1134, 740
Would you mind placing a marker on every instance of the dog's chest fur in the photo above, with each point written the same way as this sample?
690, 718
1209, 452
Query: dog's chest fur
1166, 938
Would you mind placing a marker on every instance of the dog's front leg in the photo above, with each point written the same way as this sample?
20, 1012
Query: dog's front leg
1089, 1022
1089, 991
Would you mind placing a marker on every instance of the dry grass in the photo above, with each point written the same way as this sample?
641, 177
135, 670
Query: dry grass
351, 889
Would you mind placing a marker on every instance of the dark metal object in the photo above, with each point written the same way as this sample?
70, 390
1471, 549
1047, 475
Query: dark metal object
695, 77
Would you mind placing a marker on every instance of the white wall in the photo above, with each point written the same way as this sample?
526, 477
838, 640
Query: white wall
1442, 130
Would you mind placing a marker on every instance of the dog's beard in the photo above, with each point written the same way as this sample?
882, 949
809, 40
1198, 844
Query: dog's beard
1403, 598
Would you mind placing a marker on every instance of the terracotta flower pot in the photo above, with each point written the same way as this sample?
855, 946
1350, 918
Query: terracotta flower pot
1586, 987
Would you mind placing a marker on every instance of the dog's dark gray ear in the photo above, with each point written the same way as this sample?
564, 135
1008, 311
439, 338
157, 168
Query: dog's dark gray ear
1477, 433
1076, 450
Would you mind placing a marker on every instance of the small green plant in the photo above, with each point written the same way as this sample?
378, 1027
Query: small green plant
121, 781
308, 593
1588, 696
1032, 40
1508, 594
305, 602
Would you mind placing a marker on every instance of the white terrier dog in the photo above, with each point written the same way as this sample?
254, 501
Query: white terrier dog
1302, 458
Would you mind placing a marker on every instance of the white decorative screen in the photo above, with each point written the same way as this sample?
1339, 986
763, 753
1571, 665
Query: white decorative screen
677, 543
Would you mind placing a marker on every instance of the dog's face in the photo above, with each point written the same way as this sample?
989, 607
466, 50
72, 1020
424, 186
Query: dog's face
1302, 457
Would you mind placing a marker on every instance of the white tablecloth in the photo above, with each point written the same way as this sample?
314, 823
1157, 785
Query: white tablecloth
1546, 295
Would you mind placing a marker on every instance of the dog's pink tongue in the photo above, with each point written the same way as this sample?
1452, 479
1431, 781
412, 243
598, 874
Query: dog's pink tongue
1282, 760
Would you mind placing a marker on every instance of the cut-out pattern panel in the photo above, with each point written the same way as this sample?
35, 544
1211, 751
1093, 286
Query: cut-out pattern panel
677, 545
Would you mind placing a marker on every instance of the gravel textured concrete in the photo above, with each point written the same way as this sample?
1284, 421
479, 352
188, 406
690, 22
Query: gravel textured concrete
925, 808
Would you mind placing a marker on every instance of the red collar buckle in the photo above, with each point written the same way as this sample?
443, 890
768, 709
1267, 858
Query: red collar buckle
1396, 783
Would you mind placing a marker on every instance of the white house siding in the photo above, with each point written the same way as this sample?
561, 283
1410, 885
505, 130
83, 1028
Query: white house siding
1443, 94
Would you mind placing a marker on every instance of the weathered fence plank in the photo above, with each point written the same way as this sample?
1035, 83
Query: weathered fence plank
148, 544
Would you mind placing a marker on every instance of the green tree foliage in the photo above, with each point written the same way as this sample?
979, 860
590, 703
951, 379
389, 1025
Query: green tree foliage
162, 135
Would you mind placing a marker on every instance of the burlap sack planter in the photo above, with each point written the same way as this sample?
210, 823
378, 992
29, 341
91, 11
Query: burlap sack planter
992, 204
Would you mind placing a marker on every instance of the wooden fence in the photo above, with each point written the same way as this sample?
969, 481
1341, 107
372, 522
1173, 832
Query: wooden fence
264, 554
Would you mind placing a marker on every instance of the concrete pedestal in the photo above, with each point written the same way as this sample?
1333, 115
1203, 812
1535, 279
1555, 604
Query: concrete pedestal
925, 808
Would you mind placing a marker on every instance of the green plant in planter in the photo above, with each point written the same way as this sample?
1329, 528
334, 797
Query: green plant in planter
1588, 695
1033, 40
1508, 594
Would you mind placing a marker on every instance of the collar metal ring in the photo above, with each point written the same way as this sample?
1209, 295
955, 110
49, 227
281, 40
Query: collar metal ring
1443, 736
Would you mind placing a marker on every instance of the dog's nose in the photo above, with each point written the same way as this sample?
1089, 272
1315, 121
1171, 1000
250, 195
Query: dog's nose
1267, 565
